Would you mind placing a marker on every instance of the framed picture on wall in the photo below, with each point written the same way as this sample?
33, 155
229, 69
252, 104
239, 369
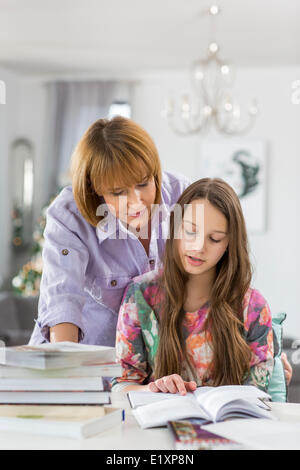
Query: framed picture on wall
242, 164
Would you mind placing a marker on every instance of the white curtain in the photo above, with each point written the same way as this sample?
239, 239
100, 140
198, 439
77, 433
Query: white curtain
73, 106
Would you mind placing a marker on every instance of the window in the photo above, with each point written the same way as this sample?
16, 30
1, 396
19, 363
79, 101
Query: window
119, 108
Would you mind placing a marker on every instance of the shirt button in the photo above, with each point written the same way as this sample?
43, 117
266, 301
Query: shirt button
113, 283
65, 252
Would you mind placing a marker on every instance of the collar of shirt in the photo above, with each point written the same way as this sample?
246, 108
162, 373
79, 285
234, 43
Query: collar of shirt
110, 226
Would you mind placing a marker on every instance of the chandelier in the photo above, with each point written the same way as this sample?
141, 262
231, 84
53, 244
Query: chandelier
211, 100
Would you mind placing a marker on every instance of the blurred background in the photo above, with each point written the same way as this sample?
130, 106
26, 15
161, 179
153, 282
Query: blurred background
216, 86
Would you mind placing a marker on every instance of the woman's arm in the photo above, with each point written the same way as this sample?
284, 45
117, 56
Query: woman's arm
65, 259
64, 332
288, 370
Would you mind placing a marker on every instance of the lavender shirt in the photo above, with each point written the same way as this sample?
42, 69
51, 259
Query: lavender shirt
87, 269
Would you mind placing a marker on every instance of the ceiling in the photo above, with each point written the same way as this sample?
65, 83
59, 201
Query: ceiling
129, 36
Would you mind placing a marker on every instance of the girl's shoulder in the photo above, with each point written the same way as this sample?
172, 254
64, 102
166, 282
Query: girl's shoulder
147, 280
253, 297
256, 308
147, 285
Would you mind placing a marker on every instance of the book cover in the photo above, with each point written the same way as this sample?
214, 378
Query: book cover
56, 355
63, 420
52, 398
109, 369
55, 384
189, 435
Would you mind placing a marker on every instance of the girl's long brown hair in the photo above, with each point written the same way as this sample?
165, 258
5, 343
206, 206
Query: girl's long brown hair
231, 354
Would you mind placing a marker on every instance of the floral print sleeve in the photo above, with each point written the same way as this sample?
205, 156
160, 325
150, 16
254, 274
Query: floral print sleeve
259, 336
131, 342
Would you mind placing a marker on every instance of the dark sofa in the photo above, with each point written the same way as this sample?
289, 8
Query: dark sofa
17, 316
294, 387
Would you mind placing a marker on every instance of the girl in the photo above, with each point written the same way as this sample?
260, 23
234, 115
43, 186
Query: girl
197, 321
102, 232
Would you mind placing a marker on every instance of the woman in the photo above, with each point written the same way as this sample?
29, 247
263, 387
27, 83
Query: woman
103, 231
197, 321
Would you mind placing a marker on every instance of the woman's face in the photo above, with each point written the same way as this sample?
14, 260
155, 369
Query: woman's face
202, 238
132, 205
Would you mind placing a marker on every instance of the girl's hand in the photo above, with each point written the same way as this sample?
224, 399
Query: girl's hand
172, 384
288, 371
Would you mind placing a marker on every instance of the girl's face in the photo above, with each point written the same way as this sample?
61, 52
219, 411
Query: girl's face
202, 238
132, 205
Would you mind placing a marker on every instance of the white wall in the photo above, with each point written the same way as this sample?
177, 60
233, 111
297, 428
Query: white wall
275, 253
8, 124
23, 115
32, 124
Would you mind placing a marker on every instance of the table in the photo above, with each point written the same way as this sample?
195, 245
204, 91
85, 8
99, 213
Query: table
127, 435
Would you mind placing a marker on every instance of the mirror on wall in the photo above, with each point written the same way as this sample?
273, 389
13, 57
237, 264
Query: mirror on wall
22, 192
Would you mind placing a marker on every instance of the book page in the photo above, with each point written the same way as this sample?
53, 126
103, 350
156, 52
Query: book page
58, 355
242, 408
217, 397
158, 414
201, 391
64, 346
141, 398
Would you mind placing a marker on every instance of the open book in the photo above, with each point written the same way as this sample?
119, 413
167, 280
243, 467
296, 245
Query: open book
211, 404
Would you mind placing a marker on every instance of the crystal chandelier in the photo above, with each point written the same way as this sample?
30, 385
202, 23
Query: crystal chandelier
211, 100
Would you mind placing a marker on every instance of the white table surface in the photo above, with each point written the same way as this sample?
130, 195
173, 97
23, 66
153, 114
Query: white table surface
126, 435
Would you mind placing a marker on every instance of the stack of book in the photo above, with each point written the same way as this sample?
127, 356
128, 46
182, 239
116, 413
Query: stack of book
40, 386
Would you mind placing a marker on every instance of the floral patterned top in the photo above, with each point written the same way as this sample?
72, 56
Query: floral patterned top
137, 335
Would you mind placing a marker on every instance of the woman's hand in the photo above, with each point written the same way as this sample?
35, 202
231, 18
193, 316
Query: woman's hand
172, 384
288, 371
